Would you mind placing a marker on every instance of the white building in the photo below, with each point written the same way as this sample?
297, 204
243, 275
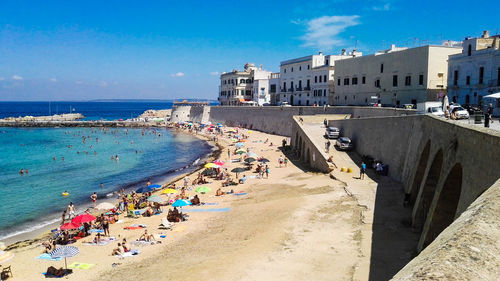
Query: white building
394, 76
247, 87
308, 80
475, 72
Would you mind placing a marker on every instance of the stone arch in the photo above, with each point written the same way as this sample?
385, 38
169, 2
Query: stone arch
419, 174
427, 190
446, 207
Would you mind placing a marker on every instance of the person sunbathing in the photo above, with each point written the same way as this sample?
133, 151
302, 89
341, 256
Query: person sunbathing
195, 200
125, 246
146, 237
48, 246
117, 251
219, 192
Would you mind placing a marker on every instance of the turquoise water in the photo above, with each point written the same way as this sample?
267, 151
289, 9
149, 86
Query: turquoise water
33, 200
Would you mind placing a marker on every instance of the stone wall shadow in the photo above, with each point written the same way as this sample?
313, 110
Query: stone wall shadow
394, 241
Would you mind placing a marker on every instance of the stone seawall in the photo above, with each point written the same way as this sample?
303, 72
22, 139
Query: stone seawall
76, 124
444, 165
278, 120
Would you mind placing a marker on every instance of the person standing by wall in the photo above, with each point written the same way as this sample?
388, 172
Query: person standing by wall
362, 171
487, 116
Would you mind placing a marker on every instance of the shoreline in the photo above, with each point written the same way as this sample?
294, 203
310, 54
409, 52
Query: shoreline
28, 238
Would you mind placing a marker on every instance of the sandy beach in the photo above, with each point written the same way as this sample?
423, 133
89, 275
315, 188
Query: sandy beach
297, 224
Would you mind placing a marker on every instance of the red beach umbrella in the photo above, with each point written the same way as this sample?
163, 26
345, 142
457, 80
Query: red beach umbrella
69, 225
83, 218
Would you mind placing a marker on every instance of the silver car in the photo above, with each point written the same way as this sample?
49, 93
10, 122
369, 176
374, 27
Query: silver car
344, 143
332, 132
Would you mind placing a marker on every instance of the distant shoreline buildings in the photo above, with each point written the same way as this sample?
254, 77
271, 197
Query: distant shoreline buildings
391, 77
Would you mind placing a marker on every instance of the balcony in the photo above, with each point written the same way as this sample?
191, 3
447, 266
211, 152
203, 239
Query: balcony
290, 90
298, 89
307, 88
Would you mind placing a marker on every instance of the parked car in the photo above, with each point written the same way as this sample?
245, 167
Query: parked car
332, 132
408, 106
436, 110
459, 111
472, 109
344, 143
284, 103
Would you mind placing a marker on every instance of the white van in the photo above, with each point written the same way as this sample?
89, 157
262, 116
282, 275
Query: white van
431, 107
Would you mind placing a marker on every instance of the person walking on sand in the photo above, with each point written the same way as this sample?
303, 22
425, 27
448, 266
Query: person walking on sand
228, 153
63, 217
71, 210
327, 146
362, 171
267, 172
94, 198
285, 162
280, 161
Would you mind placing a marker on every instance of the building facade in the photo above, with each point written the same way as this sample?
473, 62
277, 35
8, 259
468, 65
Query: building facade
247, 87
475, 72
308, 80
393, 77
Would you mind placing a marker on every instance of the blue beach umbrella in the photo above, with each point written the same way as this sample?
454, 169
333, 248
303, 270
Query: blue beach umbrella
239, 145
64, 252
155, 186
181, 203
144, 189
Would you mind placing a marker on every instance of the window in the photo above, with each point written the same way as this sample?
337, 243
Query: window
320, 79
300, 68
363, 80
307, 66
481, 75
248, 92
326, 61
273, 88
455, 77
324, 78
292, 69
421, 79
377, 83
338, 81
324, 92
394, 80
346, 81
249, 81
308, 83
469, 50
467, 80
315, 79
355, 80
284, 86
408, 80
381, 68
242, 92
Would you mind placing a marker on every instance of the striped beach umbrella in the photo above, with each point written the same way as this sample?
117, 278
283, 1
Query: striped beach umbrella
64, 252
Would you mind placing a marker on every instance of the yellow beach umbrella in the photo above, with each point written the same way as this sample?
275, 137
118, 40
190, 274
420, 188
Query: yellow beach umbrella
211, 165
169, 191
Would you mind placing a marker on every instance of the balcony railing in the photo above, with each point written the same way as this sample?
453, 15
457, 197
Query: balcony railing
298, 89
290, 90
307, 88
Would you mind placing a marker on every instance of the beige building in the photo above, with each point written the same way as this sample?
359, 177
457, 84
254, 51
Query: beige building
393, 77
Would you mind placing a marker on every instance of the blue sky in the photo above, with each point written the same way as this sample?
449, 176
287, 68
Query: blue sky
81, 50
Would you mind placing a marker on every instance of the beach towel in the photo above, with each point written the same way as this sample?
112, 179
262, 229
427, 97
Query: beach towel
100, 243
143, 243
129, 254
47, 257
210, 203
207, 210
135, 226
96, 231
241, 193
80, 265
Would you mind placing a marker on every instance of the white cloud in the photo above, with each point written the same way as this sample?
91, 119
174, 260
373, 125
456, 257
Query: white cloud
215, 73
53, 80
385, 7
323, 32
17, 77
178, 74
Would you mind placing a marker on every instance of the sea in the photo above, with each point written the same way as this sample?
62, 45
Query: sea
80, 161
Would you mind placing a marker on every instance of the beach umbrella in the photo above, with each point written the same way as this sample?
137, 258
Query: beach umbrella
234, 140
70, 225
240, 151
105, 206
239, 145
231, 130
208, 172
169, 191
238, 170
203, 189
83, 218
263, 160
64, 252
181, 203
250, 160
219, 163
155, 186
5, 256
243, 140
155, 198
211, 165
252, 154
144, 189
